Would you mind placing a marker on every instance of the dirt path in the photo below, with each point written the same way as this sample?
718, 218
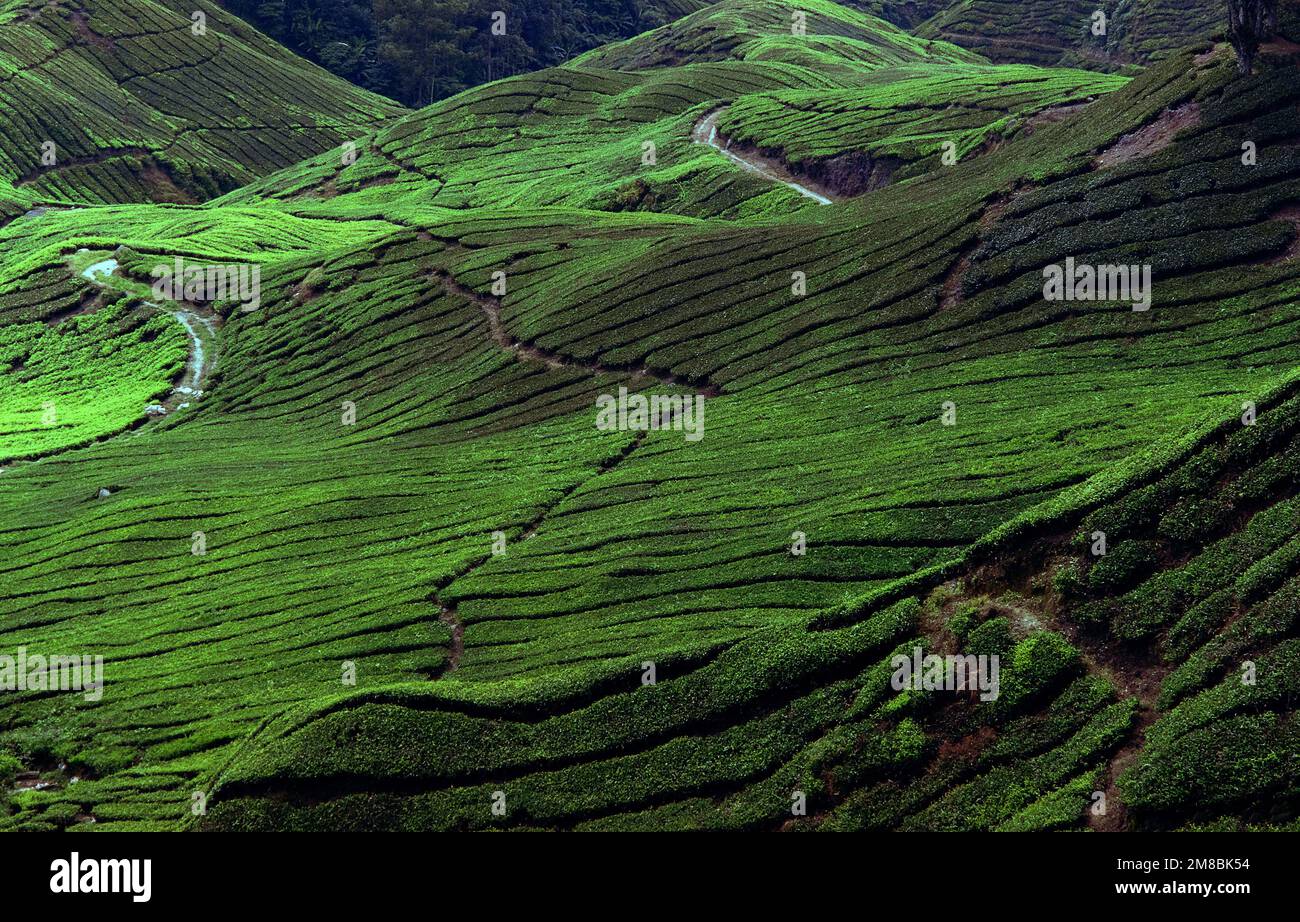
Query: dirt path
447, 613
1150, 138
950, 290
1287, 213
706, 132
1133, 676
199, 328
530, 352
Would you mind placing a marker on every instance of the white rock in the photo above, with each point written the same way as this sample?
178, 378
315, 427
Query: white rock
105, 492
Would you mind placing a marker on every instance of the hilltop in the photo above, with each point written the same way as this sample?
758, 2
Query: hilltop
882, 376
112, 102
1062, 31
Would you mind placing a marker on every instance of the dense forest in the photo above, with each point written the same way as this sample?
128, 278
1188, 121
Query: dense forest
418, 51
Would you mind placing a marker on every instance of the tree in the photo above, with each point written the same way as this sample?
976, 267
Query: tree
418, 51
1250, 22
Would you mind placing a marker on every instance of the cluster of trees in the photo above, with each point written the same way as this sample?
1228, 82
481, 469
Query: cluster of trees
1250, 23
418, 51
339, 35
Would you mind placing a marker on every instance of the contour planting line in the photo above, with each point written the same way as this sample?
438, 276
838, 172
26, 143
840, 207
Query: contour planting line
447, 613
527, 351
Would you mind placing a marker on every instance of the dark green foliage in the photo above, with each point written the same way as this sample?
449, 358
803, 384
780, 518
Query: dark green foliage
1061, 31
120, 101
1238, 759
1126, 564
420, 51
334, 544
1250, 22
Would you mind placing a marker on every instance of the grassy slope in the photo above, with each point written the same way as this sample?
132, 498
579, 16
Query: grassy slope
141, 109
330, 544
1060, 31
138, 108
746, 30
906, 114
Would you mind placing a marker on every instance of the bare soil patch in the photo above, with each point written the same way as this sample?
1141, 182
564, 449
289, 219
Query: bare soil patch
1289, 213
1150, 139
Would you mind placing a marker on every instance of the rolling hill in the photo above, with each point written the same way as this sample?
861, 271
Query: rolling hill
385, 573
1062, 31
112, 102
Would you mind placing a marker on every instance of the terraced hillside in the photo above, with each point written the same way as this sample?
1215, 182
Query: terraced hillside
139, 101
746, 30
1062, 31
386, 573
511, 143
1168, 734
905, 13
899, 124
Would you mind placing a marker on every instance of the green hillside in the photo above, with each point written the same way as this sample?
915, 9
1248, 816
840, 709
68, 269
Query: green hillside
1062, 31
575, 135
420, 51
903, 116
120, 101
834, 36
385, 568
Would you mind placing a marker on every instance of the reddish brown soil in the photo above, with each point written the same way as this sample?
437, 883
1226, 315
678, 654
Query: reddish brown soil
1150, 139
81, 23
1288, 213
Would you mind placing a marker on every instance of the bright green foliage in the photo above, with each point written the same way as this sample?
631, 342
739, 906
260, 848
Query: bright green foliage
105, 367
364, 546
132, 105
907, 114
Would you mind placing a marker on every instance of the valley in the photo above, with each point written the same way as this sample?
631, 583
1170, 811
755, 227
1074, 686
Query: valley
441, 555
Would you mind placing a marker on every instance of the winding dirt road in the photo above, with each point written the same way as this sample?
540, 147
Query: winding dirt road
200, 364
706, 132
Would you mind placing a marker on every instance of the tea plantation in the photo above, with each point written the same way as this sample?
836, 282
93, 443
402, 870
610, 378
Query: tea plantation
385, 572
